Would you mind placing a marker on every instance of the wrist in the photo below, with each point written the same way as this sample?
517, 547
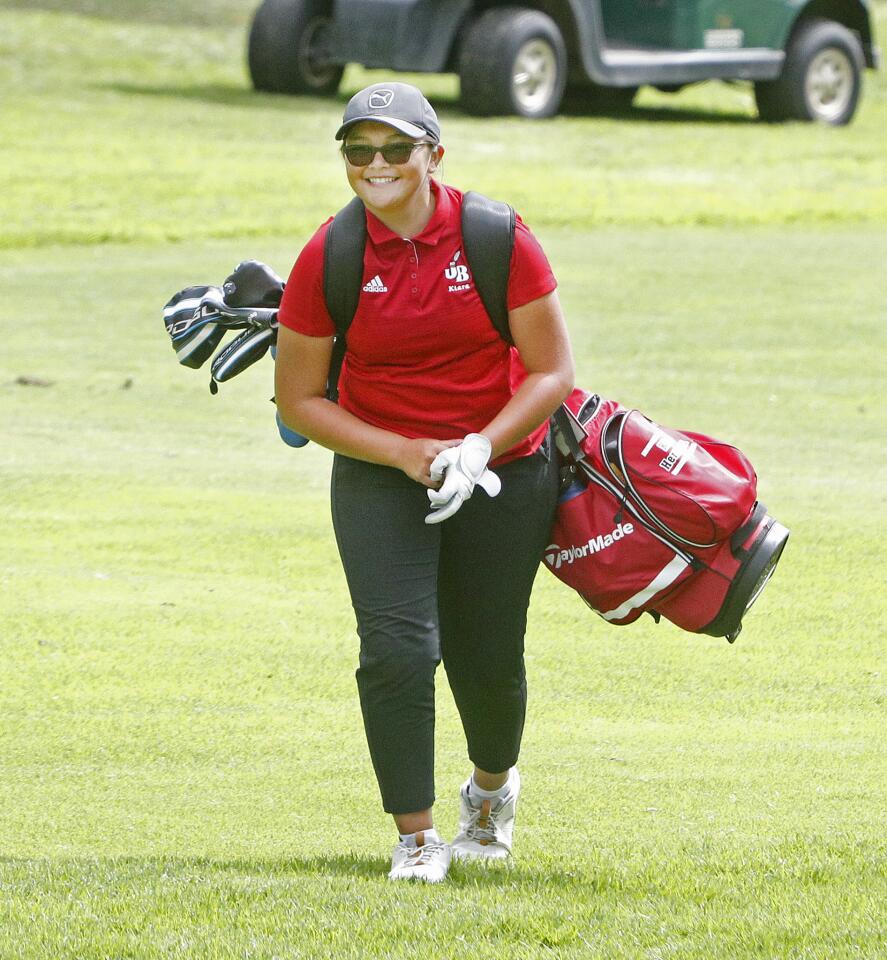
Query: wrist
495, 439
397, 451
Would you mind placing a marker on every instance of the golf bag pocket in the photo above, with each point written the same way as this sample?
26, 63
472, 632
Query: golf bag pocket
693, 488
605, 552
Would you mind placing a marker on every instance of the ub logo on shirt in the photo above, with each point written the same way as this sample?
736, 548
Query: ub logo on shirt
458, 272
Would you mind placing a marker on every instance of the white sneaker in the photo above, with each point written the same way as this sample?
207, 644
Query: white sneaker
486, 826
424, 861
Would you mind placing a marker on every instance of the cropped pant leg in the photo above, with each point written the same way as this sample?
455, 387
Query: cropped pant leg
489, 557
390, 558
457, 590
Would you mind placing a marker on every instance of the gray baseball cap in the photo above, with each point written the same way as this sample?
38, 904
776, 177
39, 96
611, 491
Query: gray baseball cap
398, 105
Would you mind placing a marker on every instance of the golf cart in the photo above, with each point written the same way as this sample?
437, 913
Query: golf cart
805, 57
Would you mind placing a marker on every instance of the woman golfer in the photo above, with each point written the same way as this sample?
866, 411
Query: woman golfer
432, 402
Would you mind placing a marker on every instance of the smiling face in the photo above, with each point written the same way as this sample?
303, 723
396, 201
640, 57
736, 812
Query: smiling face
391, 190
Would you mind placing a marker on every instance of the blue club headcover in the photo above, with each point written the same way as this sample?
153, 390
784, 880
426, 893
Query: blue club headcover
192, 320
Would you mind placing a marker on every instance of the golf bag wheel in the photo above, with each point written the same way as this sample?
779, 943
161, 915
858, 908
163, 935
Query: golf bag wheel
822, 77
513, 60
286, 48
749, 582
777, 539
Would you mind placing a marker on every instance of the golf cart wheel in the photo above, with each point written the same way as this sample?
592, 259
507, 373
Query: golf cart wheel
821, 80
286, 48
513, 60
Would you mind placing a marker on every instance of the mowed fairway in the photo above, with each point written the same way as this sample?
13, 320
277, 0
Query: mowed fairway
182, 765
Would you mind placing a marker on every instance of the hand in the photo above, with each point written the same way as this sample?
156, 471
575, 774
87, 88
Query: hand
416, 457
462, 467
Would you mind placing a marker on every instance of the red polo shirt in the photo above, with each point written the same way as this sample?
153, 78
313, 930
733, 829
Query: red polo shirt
423, 357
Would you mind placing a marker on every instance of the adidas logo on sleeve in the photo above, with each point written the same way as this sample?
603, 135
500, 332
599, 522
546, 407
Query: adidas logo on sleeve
375, 285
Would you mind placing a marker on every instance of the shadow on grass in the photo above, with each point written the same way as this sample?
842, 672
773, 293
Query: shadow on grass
218, 93
215, 93
498, 874
245, 96
664, 114
367, 867
318, 867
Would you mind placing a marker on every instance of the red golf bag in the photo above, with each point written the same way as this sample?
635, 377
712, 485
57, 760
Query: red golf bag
659, 521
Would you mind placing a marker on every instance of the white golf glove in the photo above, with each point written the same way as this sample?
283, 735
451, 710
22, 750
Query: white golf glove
461, 468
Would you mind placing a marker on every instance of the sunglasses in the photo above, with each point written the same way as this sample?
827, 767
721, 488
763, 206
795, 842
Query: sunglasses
362, 154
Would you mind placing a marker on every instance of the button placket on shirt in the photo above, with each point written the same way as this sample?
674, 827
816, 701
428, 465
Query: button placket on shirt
414, 269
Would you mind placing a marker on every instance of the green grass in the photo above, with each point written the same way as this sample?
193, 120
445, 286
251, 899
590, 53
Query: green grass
126, 130
182, 766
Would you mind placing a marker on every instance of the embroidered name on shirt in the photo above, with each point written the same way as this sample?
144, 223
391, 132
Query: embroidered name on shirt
375, 285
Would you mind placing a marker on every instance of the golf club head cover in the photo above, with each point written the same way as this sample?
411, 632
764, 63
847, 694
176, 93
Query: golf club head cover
243, 351
462, 468
192, 320
253, 284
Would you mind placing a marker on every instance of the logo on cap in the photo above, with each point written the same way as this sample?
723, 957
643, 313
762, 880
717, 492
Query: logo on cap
380, 99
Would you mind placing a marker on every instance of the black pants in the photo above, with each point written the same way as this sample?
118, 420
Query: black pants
456, 591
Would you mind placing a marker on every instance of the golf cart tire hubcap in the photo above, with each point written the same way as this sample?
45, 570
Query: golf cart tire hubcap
534, 77
313, 64
829, 83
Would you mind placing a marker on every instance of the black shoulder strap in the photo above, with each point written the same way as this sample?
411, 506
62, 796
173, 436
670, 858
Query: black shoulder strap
488, 235
342, 278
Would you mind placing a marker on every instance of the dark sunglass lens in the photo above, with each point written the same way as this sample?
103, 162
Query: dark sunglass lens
397, 152
359, 155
